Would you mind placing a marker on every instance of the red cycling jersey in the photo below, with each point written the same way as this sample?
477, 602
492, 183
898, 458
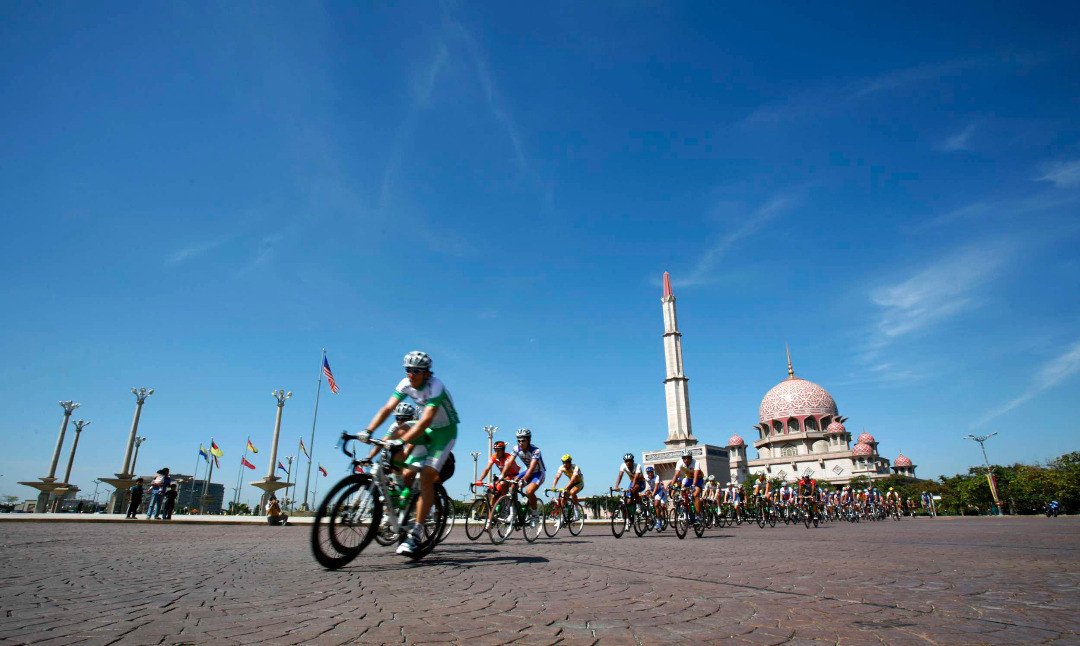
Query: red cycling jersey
508, 467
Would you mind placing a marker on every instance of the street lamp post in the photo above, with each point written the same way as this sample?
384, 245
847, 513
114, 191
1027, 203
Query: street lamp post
140, 398
270, 483
69, 407
97, 483
135, 457
79, 426
981, 439
490, 430
475, 461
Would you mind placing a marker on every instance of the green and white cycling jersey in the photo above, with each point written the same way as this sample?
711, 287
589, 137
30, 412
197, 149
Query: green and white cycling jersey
432, 394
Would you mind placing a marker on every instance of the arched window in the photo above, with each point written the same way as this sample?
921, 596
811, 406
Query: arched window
777, 428
811, 424
793, 425
789, 452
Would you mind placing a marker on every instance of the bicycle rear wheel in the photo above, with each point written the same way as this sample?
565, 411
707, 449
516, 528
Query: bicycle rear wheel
502, 519
433, 524
345, 521
477, 518
448, 516
640, 519
577, 519
531, 529
680, 519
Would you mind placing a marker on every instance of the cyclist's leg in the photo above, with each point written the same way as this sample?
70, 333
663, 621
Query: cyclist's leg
437, 444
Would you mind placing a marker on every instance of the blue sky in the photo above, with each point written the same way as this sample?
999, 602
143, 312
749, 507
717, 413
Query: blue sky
198, 198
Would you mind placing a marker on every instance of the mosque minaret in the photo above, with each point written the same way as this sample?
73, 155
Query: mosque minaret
676, 390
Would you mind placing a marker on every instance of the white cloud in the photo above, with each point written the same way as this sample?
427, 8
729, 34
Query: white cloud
194, 250
1063, 174
936, 292
766, 213
959, 141
1050, 375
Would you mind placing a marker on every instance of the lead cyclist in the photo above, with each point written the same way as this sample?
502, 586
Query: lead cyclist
433, 435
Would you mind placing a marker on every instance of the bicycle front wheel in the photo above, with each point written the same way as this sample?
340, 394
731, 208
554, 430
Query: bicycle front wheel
553, 515
618, 521
577, 519
345, 521
476, 522
681, 519
502, 519
640, 519
531, 529
448, 516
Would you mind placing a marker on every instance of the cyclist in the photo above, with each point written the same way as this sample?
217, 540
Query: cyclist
711, 492
692, 476
762, 488
654, 486
806, 491
635, 474
404, 416
892, 499
733, 495
534, 469
575, 481
432, 435
506, 465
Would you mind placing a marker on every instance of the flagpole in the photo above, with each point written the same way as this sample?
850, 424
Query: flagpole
194, 476
209, 472
315, 417
240, 476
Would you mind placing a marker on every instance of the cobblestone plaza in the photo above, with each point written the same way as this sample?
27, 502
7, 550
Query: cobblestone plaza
944, 581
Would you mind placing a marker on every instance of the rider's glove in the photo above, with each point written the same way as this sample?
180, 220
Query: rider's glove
364, 436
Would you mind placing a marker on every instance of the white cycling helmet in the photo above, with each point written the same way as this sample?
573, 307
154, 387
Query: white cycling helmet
629, 457
405, 409
418, 359
712, 478
523, 434
687, 453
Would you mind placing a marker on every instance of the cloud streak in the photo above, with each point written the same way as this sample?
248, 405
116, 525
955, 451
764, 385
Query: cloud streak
1063, 174
959, 141
937, 292
1050, 375
195, 250
774, 208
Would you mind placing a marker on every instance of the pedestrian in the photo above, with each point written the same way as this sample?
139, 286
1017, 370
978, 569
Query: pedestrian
136, 492
157, 493
273, 512
170, 502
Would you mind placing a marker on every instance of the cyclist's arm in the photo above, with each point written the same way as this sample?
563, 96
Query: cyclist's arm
558, 474
485, 473
421, 424
619, 479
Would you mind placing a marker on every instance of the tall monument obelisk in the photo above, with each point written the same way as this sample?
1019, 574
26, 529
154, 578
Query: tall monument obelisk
680, 436
676, 390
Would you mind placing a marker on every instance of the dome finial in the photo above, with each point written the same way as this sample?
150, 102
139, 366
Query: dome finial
790, 370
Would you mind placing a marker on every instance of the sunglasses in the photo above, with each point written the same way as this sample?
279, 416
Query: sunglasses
413, 371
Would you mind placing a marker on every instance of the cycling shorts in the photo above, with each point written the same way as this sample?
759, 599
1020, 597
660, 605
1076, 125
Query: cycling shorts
536, 478
687, 483
433, 447
661, 496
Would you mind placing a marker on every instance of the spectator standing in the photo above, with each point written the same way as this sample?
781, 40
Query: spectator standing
136, 491
157, 493
170, 502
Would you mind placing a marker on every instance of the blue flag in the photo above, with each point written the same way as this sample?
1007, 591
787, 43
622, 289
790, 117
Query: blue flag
203, 454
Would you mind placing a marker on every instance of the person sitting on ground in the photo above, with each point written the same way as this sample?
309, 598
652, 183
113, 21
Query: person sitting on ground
274, 515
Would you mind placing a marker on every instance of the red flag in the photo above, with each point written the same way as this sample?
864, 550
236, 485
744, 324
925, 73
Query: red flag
322, 470
247, 464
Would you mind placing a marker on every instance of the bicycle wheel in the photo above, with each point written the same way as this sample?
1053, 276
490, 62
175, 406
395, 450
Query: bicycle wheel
477, 519
807, 517
640, 519
577, 519
618, 521
385, 535
345, 515
553, 517
772, 517
761, 517
680, 519
433, 524
502, 519
531, 528
448, 517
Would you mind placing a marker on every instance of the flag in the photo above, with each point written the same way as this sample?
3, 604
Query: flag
203, 454
322, 470
247, 464
282, 466
216, 463
251, 447
329, 375
303, 449
215, 450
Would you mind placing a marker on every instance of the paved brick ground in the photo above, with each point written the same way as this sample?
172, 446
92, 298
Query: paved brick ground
945, 581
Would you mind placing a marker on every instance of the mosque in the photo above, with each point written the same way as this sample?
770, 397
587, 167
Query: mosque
800, 431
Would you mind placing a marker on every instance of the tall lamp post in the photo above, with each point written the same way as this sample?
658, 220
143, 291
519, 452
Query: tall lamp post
981, 439
491, 430
475, 461
135, 458
140, 398
48, 483
270, 483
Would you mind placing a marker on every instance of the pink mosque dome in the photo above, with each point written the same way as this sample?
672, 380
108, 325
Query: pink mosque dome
902, 461
866, 438
795, 397
862, 449
835, 427
735, 440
